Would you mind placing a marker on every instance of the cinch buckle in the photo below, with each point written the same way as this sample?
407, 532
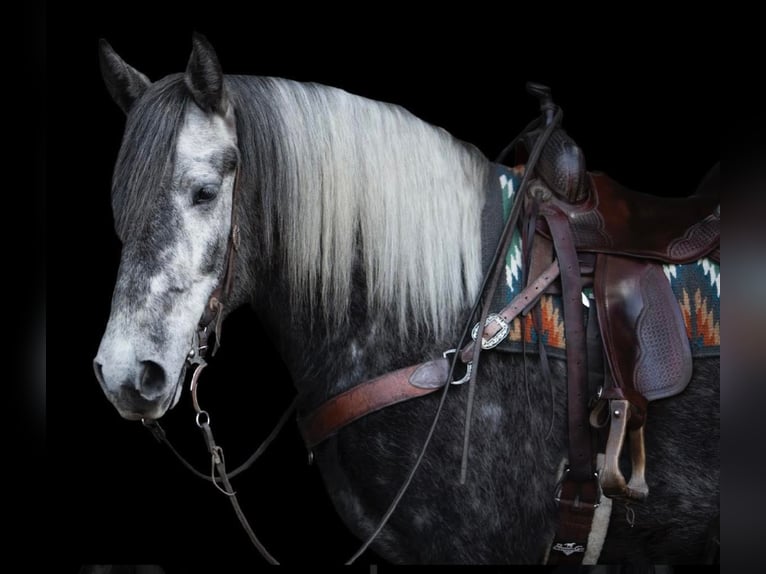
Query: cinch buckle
495, 339
576, 503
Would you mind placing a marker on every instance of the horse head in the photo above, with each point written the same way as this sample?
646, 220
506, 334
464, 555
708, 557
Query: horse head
172, 196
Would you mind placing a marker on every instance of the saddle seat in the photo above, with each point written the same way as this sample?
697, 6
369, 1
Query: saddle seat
616, 220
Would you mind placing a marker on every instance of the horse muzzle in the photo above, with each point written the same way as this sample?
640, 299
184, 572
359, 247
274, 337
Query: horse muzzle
142, 391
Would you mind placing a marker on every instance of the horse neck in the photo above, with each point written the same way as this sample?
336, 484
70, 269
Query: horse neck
324, 358
358, 193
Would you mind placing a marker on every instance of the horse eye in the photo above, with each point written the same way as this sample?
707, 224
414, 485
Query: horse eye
204, 194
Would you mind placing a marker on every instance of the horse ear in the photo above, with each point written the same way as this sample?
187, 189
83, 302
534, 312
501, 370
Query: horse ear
125, 83
204, 76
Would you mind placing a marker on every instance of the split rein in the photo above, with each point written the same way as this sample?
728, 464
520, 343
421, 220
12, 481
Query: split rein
213, 316
218, 473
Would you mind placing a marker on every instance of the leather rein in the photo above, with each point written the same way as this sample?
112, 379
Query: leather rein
410, 382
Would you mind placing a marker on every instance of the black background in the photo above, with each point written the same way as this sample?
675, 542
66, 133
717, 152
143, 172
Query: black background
640, 97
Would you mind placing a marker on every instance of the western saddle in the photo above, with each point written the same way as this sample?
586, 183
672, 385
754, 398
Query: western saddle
621, 239
586, 230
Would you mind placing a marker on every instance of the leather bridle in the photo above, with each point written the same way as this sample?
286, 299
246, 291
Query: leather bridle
211, 323
213, 313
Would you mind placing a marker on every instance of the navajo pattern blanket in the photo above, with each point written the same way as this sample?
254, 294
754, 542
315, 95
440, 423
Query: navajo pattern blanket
697, 287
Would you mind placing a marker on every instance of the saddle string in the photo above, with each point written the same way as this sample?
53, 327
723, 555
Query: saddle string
484, 299
526, 241
528, 244
545, 368
493, 277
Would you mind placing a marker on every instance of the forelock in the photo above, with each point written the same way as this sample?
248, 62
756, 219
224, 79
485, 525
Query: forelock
145, 161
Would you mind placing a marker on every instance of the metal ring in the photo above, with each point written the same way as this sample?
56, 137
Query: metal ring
469, 366
193, 385
205, 415
539, 191
467, 376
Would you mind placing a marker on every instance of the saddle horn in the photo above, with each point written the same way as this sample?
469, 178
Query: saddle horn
562, 163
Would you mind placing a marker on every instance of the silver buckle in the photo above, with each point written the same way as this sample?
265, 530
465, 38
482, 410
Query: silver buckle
559, 486
493, 341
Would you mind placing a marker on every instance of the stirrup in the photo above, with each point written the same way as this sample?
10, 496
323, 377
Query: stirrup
613, 482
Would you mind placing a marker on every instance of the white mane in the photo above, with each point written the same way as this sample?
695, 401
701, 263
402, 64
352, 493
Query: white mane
361, 172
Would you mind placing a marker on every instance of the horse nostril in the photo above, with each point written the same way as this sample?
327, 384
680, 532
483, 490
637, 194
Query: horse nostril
98, 369
152, 378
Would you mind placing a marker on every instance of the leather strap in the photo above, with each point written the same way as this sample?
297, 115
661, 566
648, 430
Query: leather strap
523, 301
213, 313
372, 396
579, 495
581, 464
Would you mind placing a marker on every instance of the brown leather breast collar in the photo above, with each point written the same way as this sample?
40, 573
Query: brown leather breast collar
416, 380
